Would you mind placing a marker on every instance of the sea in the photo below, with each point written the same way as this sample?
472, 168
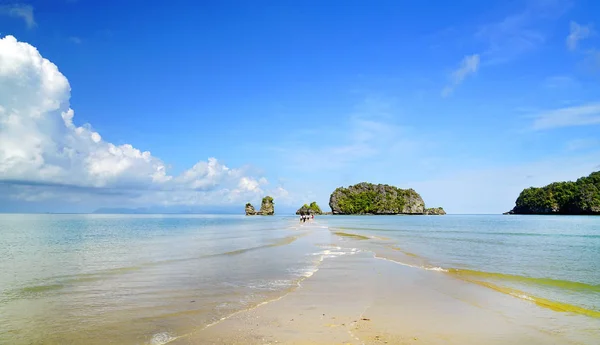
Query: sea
146, 279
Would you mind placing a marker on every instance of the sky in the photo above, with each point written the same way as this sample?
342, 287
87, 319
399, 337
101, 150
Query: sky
196, 105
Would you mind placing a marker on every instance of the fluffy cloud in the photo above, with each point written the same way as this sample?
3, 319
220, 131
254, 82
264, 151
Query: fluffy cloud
42, 147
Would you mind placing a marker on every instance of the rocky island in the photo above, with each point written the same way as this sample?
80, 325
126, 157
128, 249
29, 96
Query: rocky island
267, 208
368, 198
434, 211
581, 197
250, 210
313, 208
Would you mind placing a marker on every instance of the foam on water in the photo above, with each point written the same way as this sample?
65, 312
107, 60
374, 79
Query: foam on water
335, 252
162, 338
271, 285
304, 272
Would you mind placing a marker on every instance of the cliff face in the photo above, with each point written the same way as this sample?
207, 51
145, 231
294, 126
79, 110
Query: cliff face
581, 197
267, 207
250, 211
368, 198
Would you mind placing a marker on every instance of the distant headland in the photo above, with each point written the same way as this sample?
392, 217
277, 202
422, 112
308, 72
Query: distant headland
581, 197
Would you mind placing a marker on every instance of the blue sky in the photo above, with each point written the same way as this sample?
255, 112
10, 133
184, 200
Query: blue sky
468, 102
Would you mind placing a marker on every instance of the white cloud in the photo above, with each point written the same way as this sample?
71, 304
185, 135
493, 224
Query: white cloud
24, 12
468, 65
508, 38
578, 32
370, 133
41, 145
520, 32
514, 35
587, 114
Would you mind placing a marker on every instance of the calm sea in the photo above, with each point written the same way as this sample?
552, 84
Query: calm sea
144, 279
552, 260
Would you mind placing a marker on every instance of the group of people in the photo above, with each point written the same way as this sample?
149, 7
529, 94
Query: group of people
305, 217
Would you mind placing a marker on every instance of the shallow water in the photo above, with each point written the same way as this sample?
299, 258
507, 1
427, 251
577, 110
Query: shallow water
554, 260
139, 279
146, 279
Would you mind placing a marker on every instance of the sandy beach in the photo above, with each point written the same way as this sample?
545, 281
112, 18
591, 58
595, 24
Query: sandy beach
360, 299
334, 280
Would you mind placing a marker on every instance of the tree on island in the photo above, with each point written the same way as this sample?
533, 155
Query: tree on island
579, 197
313, 208
368, 198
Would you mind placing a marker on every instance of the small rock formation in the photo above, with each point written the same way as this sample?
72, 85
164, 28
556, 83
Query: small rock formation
267, 207
435, 211
581, 197
313, 208
368, 198
250, 211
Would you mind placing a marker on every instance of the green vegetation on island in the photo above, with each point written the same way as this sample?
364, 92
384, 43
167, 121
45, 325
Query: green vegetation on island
267, 208
368, 198
581, 197
313, 208
434, 211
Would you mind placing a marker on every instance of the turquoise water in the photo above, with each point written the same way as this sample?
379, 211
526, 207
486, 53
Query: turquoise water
141, 279
88, 278
547, 257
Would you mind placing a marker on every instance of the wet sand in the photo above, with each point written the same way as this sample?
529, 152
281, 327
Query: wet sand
228, 280
360, 299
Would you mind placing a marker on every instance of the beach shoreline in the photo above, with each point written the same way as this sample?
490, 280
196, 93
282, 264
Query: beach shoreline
359, 298
207, 280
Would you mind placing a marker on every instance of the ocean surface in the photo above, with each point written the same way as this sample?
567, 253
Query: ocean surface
551, 260
147, 279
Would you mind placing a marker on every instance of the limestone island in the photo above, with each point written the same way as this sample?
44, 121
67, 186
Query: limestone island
313, 208
267, 208
581, 197
379, 199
